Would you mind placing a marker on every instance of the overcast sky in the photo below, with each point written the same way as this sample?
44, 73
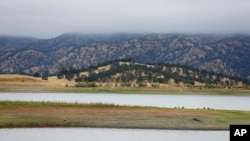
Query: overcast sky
50, 18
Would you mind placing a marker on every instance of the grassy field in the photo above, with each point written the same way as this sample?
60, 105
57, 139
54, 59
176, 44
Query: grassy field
45, 114
20, 83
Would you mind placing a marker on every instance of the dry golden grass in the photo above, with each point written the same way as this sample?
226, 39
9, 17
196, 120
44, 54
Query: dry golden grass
22, 83
17, 78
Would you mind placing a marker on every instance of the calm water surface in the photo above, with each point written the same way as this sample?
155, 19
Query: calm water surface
159, 100
102, 134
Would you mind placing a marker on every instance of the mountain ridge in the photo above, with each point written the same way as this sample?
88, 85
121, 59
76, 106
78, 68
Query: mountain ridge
229, 54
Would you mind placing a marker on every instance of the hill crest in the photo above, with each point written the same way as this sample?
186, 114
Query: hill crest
132, 74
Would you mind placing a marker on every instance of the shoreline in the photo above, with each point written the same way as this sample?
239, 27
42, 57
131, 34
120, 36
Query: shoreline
120, 90
20, 83
129, 128
66, 115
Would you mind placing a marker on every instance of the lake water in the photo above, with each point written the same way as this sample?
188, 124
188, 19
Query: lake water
159, 100
103, 134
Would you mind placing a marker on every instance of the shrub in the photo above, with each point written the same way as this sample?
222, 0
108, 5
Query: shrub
85, 84
36, 74
142, 84
125, 84
155, 85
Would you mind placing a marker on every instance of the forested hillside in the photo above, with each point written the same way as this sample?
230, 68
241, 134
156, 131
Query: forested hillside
128, 73
229, 55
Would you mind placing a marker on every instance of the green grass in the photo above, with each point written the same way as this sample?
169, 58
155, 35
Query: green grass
234, 117
27, 104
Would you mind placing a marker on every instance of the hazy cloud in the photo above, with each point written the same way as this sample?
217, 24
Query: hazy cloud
48, 18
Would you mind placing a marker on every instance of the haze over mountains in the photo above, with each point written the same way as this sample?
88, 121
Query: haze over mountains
229, 54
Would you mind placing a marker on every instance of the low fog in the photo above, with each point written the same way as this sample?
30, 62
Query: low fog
49, 18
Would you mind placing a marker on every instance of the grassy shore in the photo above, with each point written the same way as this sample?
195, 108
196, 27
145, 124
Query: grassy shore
46, 114
170, 90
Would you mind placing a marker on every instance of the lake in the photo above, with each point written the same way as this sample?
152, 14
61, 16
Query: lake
158, 100
104, 134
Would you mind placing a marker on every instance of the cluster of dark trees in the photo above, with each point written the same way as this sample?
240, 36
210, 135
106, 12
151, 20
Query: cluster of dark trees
157, 73
68, 73
71, 73
45, 74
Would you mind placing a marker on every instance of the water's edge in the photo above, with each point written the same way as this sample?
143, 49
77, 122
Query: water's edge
220, 102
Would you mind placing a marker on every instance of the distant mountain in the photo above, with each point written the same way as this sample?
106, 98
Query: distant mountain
229, 55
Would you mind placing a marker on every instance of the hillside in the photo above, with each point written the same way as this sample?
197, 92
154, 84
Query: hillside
127, 76
229, 55
127, 73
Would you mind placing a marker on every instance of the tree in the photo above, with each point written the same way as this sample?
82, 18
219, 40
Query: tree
70, 73
45, 75
22, 73
227, 83
36, 74
62, 71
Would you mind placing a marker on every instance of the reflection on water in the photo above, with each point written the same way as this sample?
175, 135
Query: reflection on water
102, 134
187, 101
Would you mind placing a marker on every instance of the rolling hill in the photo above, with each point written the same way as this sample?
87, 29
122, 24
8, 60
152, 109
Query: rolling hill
127, 73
